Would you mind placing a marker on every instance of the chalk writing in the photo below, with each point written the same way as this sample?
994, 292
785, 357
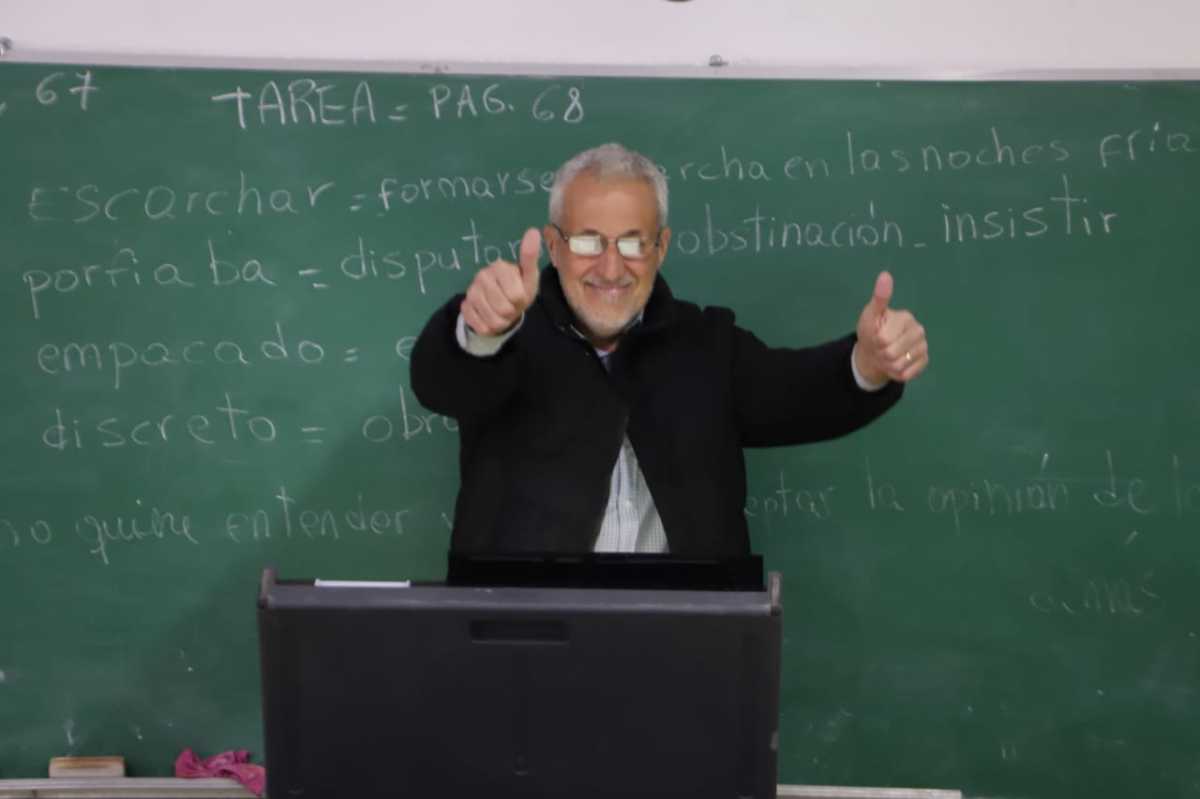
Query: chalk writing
464, 104
304, 102
47, 94
68, 433
406, 425
881, 494
992, 498
1042, 494
124, 272
1101, 597
295, 520
1065, 215
394, 193
368, 261
810, 503
931, 158
995, 150
159, 203
227, 273
101, 532
1129, 146
404, 347
1048, 493
1131, 494
104, 537
762, 232
326, 103
121, 272
61, 359
15, 534
572, 112
729, 167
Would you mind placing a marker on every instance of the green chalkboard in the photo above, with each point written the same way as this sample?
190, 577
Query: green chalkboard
210, 282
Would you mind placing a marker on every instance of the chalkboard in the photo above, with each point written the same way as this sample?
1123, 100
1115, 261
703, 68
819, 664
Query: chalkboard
212, 280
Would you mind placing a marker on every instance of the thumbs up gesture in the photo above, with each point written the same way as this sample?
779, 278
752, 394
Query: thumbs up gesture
891, 343
502, 290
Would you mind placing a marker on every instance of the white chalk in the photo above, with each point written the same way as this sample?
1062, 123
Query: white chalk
362, 584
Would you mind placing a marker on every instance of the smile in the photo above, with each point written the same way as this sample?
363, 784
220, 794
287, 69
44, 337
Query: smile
608, 289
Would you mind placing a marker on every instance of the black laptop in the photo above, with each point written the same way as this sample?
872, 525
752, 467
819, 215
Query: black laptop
494, 687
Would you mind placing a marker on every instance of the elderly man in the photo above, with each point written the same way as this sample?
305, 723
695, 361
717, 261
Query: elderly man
598, 413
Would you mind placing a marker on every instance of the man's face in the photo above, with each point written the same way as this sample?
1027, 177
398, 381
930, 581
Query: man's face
607, 291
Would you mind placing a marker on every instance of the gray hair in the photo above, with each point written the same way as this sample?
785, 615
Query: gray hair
608, 160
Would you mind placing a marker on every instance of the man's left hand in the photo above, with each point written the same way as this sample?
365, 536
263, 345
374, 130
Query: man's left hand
891, 343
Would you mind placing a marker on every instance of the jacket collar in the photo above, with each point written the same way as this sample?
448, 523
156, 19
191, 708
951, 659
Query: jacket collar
658, 312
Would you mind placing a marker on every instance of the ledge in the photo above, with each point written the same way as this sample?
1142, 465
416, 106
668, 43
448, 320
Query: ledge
171, 788
123, 788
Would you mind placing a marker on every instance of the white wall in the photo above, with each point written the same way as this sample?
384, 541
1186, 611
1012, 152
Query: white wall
935, 38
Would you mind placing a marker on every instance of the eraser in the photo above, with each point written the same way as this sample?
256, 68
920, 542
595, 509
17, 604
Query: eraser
107, 766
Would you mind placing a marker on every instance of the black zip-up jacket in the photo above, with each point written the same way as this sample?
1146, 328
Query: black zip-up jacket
541, 422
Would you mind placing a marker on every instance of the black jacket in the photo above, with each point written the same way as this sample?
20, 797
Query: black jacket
542, 421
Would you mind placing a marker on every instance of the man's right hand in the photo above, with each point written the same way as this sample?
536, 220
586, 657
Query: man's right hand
502, 290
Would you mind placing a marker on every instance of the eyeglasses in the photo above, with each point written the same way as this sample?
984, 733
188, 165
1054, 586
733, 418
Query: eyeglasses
593, 244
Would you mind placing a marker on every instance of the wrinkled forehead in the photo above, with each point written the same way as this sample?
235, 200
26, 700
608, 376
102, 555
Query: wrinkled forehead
613, 203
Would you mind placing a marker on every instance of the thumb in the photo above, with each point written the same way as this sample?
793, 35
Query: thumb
878, 305
531, 250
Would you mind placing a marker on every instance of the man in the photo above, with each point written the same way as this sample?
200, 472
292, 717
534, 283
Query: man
599, 413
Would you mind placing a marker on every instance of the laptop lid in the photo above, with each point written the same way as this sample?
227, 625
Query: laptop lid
606, 570
374, 691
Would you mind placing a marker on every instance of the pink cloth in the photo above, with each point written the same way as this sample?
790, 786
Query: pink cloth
234, 765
